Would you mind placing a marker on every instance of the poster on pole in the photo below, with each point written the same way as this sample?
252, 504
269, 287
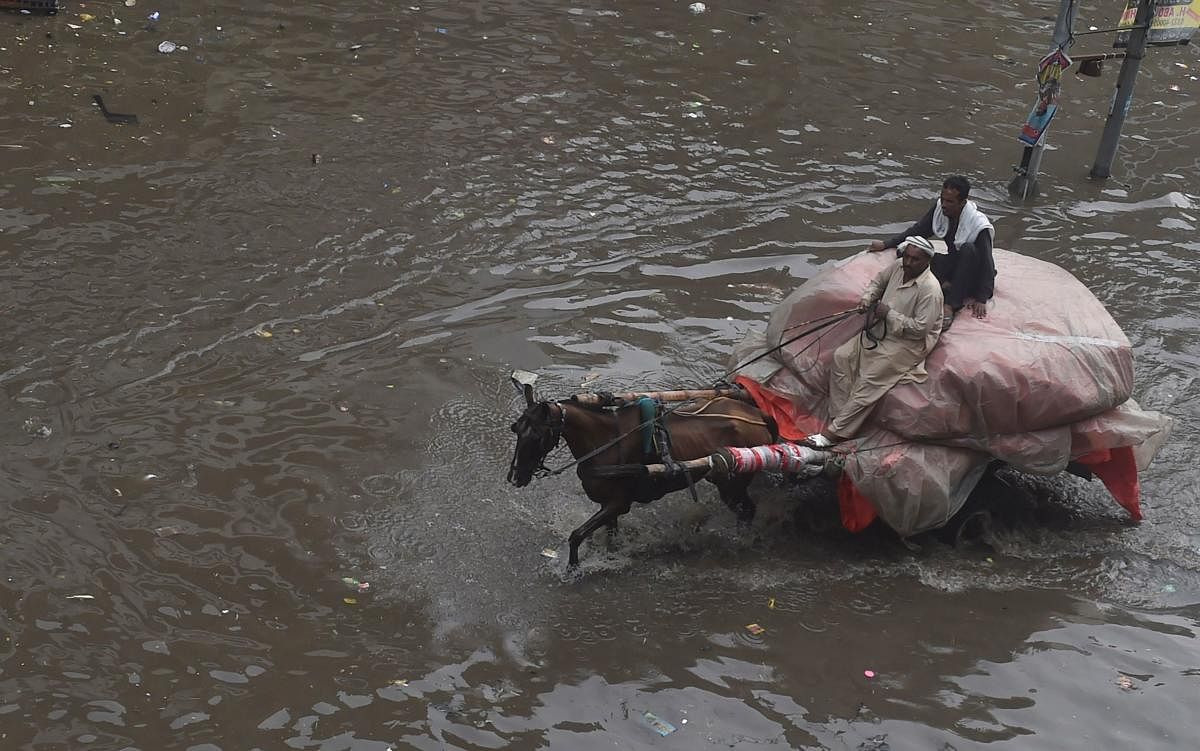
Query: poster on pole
1175, 21
1049, 78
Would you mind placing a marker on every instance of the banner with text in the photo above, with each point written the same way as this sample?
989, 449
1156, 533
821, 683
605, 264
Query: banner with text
1175, 21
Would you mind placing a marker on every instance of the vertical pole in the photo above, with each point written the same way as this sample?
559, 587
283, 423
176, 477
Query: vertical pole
1123, 96
1031, 160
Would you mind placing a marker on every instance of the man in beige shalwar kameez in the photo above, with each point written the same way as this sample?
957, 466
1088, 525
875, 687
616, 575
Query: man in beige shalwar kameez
908, 315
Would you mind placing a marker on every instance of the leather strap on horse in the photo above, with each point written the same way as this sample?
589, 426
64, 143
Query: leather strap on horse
664, 449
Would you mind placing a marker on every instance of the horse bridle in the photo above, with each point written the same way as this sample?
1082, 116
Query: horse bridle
556, 433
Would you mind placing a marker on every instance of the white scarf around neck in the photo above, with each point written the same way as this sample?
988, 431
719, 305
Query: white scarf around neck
971, 222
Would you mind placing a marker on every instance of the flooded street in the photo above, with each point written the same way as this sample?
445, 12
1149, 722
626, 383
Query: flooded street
255, 378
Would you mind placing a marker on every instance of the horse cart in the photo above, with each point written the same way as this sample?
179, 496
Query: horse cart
1043, 384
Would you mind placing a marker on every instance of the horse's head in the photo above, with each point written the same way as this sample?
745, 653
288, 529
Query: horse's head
538, 430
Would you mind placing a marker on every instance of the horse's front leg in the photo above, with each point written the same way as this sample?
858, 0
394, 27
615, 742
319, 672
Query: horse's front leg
607, 515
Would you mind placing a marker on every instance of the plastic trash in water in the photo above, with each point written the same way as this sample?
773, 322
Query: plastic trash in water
153, 16
754, 628
869, 673
167, 47
697, 8
355, 584
659, 725
35, 428
550, 553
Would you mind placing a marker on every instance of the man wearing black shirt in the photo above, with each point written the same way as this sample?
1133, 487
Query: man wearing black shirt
967, 272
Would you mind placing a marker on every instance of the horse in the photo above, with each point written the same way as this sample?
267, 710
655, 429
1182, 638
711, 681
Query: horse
693, 432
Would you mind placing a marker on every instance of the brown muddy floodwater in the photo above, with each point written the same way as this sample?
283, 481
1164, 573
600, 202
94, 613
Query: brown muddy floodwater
233, 374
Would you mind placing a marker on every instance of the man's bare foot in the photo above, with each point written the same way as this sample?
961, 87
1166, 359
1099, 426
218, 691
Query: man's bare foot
978, 309
876, 246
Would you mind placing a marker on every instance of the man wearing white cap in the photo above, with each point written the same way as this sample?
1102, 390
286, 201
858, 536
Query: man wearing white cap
967, 271
904, 309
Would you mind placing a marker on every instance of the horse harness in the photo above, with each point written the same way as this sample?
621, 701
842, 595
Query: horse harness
655, 432
556, 432
653, 427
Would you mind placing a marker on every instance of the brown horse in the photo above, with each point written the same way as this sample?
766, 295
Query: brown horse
695, 430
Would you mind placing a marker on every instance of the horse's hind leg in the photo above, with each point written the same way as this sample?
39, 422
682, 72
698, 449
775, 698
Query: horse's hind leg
613, 530
606, 516
734, 493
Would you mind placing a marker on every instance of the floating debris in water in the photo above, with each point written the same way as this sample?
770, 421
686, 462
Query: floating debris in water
167, 47
869, 673
697, 8
1125, 682
660, 726
754, 628
550, 553
36, 429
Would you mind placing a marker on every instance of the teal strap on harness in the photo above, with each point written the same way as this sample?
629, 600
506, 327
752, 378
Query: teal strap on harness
647, 414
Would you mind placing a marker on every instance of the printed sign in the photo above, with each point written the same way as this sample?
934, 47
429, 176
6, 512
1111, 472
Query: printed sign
1049, 78
1175, 21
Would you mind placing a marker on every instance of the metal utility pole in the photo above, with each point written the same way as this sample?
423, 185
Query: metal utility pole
1025, 182
1123, 96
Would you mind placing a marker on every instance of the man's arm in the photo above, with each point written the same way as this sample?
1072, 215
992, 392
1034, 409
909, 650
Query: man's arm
925, 318
985, 285
876, 288
922, 228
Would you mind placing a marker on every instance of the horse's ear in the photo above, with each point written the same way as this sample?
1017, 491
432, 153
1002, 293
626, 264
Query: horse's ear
528, 394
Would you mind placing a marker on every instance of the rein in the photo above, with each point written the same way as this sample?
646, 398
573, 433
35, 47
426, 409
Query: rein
825, 322
872, 318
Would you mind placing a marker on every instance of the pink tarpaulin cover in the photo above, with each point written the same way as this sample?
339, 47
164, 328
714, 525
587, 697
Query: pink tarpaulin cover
1044, 379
